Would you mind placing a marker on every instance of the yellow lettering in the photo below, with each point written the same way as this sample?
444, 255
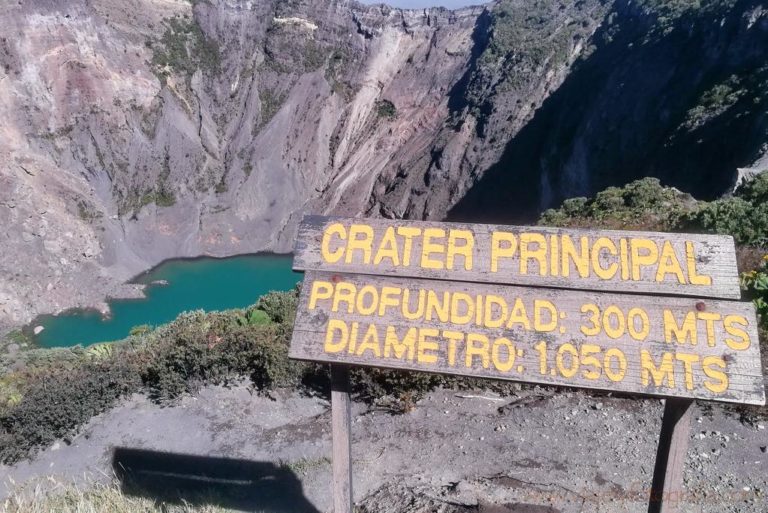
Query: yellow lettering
669, 264
393, 344
587, 360
503, 365
666, 371
335, 346
373, 293
604, 244
624, 257
464, 250
519, 315
594, 318
360, 239
390, 296
420, 305
453, 337
721, 385
353, 337
320, 290
580, 260
709, 320
429, 248
370, 342
554, 255
325, 245
422, 356
573, 357
408, 233
618, 355
693, 276
645, 324
540, 306
539, 254
499, 250
681, 334
345, 292
387, 248
434, 306
688, 361
462, 308
477, 345
644, 253
744, 340
610, 314
501, 306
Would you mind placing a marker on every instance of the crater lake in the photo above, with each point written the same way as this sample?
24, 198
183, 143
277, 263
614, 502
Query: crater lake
172, 287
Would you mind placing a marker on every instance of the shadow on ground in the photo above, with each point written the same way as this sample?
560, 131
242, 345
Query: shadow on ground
198, 480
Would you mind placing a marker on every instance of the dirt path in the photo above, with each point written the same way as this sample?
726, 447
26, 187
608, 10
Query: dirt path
538, 452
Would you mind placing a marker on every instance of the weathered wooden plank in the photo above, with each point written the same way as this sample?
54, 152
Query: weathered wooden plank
671, 347
633, 262
667, 488
341, 433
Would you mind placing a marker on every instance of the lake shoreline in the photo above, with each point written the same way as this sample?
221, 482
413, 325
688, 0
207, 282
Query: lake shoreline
136, 279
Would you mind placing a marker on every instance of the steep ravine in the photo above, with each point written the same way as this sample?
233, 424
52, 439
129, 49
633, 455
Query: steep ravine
139, 130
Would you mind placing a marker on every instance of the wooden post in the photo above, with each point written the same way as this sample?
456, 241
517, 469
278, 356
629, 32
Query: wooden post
667, 487
341, 411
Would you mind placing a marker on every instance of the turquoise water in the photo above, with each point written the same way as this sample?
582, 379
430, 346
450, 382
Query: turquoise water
205, 283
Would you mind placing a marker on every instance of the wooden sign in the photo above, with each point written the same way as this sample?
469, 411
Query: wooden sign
447, 298
682, 347
642, 262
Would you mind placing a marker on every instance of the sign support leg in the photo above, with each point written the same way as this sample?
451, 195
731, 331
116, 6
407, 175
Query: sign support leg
341, 410
667, 488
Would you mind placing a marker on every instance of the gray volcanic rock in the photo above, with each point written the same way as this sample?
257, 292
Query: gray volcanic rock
138, 130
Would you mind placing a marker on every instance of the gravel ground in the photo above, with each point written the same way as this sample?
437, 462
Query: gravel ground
537, 452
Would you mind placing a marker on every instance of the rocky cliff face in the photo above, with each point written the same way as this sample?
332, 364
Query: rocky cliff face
138, 130
676, 90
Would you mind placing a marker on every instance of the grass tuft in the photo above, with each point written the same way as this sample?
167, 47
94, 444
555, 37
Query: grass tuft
54, 496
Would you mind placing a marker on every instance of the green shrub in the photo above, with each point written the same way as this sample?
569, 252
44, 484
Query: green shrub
182, 49
142, 329
386, 109
748, 223
102, 351
314, 55
280, 306
756, 190
271, 103
744, 216
54, 404
755, 286
199, 349
254, 317
641, 205
165, 197
714, 102
647, 205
